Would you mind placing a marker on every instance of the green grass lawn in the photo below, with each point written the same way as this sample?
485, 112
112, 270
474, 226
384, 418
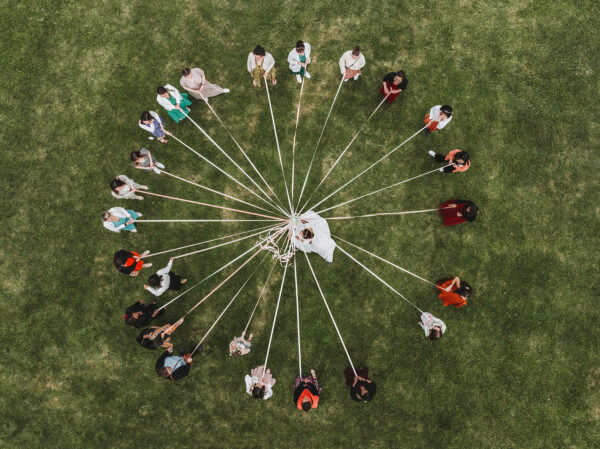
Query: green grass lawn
519, 367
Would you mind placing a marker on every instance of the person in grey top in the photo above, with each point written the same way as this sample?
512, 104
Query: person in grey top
433, 327
144, 160
123, 187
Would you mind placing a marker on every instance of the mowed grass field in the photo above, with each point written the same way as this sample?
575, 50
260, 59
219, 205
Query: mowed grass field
518, 367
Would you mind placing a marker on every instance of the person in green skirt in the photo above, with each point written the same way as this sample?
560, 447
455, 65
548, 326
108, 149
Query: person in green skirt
175, 103
299, 58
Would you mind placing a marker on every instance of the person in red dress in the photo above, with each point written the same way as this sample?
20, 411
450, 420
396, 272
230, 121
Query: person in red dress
455, 211
393, 84
454, 292
130, 262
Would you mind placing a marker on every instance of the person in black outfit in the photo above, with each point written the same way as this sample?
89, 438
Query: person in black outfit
179, 368
361, 388
393, 84
307, 391
140, 314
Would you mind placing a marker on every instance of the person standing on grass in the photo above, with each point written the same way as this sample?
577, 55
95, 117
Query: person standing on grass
454, 292
164, 280
433, 327
124, 188
438, 118
457, 160
151, 122
156, 337
240, 345
307, 392
144, 160
455, 211
261, 64
298, 59
130, 262
260, 384
117, 219
175, 104
394, 83
351, 64
361, 388
140, 314
194, 81
175, 367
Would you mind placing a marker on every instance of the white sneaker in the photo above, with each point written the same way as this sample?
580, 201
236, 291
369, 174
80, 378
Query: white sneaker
298, 78
346, 80
356, 76
442, 169
226, 91
307, 75
150, 138
431, 153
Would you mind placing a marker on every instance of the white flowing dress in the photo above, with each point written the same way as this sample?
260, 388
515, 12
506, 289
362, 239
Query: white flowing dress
321, 243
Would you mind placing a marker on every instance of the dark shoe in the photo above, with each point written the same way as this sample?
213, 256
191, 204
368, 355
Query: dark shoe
197, 351
427, 132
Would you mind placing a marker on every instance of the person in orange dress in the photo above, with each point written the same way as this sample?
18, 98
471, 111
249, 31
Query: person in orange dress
458, 160
454, 292
130, 262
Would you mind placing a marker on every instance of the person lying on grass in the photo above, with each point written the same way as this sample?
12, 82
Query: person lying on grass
175, 367
361, 388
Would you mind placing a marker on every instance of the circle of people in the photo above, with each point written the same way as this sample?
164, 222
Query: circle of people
261, 66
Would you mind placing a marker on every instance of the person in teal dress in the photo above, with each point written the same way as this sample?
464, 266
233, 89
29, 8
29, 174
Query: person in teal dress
298, 59
175, 103
119, 219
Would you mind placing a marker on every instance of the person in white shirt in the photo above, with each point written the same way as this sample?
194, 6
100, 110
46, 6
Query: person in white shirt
151, 122
434, 327
351, 62
194, 81
176, 104
261, 64
123, 187
312, 235
258, 384
438, 118
164, 280
117, 219
298, 59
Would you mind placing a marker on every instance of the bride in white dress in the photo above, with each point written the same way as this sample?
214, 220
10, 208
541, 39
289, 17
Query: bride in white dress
312, 236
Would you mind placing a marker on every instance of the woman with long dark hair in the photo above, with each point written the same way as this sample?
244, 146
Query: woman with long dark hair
454, 292
130, 262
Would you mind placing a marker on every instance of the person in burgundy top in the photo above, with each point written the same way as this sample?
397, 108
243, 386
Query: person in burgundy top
130, 262
455, 211
393, 84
